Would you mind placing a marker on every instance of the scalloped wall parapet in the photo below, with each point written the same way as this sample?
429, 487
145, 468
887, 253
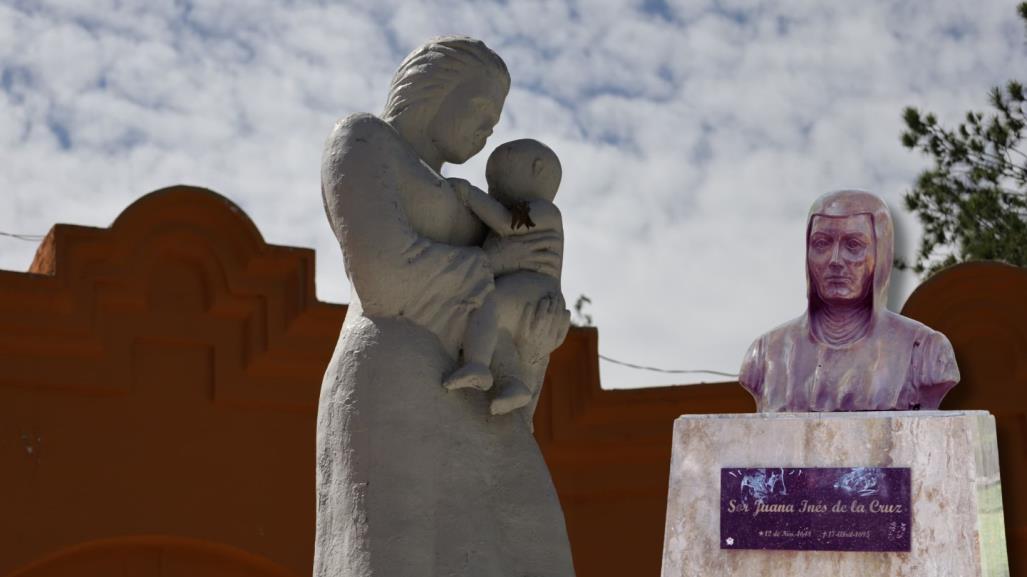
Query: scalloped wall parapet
180, 264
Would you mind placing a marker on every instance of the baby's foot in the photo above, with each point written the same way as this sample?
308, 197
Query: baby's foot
512, 395
471, 375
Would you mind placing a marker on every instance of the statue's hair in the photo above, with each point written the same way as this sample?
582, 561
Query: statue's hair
431, 71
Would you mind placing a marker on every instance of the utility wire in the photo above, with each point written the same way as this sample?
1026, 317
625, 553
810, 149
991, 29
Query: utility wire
28, 237
669, 371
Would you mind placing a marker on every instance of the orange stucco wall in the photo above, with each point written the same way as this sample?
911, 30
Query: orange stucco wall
158, 382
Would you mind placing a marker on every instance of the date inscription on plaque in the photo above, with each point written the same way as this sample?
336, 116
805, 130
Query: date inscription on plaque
816, 508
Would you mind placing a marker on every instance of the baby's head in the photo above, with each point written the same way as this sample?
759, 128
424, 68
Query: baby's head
523, 170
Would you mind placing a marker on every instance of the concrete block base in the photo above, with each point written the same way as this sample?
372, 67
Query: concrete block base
957, 523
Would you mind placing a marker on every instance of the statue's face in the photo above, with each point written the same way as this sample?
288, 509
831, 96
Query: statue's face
841, 257
466, 117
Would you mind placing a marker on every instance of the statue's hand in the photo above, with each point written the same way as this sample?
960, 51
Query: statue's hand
544, 326
534, 251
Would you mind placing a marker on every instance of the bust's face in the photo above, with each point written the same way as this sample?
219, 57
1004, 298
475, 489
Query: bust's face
841, 257
466, 117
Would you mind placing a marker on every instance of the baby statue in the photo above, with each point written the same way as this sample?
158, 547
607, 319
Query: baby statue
522, 176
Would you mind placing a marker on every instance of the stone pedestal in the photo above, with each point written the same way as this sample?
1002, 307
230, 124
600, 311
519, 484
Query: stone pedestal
957, 524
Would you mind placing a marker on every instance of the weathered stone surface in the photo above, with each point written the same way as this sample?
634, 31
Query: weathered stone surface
415, 478
956, 494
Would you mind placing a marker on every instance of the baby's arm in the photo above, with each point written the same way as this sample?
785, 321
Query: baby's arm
546, 215
488, 209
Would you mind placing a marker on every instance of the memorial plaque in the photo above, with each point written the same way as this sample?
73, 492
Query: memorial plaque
815, 509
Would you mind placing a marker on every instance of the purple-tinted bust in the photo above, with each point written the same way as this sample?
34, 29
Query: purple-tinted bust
848, 352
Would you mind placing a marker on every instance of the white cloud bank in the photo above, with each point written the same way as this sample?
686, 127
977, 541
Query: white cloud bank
694, 135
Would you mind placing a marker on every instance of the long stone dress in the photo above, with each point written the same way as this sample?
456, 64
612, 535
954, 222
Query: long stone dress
413, 480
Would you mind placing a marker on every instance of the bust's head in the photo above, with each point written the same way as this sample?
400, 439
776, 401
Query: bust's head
840, 257
448, 93
849, 249
523, 170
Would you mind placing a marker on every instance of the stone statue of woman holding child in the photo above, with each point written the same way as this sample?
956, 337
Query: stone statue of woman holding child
426, 463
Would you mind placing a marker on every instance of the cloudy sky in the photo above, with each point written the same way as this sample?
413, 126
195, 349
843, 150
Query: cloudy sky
693, 134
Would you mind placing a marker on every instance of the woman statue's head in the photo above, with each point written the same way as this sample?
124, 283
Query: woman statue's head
446, 97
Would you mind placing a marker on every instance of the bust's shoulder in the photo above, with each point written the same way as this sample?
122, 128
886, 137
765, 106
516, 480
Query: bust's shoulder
783, 335
771, 345
932, 360
927, 346
909, 329
787, 332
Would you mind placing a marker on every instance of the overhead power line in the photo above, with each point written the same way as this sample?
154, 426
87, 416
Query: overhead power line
668, 371
28, 237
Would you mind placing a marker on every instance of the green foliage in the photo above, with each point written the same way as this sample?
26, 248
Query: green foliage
973, 202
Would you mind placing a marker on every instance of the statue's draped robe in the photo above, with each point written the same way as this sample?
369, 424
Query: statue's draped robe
413, 480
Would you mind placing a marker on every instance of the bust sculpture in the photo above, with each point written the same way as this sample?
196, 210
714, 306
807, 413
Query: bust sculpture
848, 352
420, 470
